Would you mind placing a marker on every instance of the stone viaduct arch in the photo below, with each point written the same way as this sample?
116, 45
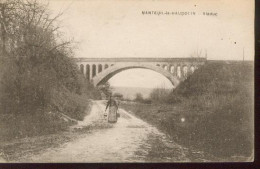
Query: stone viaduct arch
100, 70
106, 75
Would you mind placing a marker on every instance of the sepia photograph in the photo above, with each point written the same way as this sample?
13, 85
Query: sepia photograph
134, 81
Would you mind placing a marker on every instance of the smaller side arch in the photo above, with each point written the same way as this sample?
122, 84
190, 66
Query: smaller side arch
165, 67
99, 68
192, 69
185, 71
94, 70
88, 72
178, 71
172, 69
81, 68
106, 66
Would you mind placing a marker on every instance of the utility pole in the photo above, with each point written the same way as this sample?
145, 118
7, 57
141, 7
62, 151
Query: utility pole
243, 54
3, 27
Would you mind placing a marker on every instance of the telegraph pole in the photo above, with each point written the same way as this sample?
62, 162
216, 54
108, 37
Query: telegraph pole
243, 54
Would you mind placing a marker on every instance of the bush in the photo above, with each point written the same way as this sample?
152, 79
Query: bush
118, 96
139, 97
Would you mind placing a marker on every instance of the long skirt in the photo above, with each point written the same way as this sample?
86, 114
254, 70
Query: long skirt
112, 114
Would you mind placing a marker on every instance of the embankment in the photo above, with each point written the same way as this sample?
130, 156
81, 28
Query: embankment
211, 111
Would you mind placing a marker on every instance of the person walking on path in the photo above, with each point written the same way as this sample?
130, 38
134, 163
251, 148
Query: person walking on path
113, 107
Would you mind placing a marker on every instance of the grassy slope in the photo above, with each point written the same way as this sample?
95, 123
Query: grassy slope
217, 105
32, 124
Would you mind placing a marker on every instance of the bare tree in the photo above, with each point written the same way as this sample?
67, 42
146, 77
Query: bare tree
27, 26
32, 41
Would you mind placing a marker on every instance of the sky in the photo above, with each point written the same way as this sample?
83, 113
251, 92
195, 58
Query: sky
143, 78
116, 28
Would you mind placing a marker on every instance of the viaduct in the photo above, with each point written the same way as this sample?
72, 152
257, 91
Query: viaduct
100, 70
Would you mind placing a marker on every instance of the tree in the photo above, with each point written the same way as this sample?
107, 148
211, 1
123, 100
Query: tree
38, 55
139, 97
118, 95
106, 89
37, 73
159, 94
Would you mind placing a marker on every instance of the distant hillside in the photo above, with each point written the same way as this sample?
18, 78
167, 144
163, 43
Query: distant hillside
130, 92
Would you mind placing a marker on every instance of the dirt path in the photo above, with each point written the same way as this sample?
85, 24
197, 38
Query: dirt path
128, 140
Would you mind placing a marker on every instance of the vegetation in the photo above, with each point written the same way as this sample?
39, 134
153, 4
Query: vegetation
160, 95
38, 79
106, 89
119, 96
140, 99
211, 111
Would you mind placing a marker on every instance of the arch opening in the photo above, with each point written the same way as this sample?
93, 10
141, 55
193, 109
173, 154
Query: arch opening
165, 67
99, 68
139, 80
106, 66
192, 69
179, 71
87, 72
104, 77
93, 70
140, 77
185, 71
81, 68
172, 69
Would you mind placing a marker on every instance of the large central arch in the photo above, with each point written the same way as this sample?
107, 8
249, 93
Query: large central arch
113, 70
